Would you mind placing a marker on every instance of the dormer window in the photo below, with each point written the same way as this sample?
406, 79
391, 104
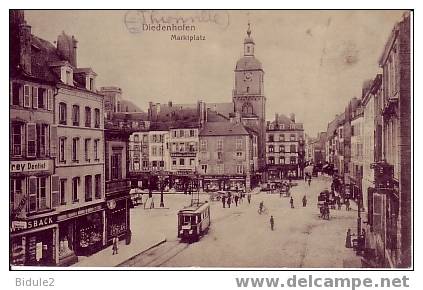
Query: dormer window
68, 77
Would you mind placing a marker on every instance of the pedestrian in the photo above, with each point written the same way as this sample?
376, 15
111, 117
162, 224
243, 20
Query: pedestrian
338, 202
115, 242
249, 198
224, 201
229, 201
304, 201
309, 180
291, 201
272, 223
236, 197
348, 243
347, 204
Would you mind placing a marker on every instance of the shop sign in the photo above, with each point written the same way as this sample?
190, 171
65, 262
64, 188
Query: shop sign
40, 222
18, 226
30, 166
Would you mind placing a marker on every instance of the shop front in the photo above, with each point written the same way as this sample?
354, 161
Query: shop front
81, 233
224, 182
33, 242
117, 218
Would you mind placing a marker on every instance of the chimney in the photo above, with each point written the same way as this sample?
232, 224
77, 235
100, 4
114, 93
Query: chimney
276, 117
292, 117
66, 47
20, 41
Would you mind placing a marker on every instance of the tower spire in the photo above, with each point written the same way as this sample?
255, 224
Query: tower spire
249, 29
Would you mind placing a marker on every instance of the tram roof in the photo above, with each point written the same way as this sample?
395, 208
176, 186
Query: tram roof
195, 208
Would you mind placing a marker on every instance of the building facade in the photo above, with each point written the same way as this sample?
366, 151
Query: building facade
357, 149
285, 149
227, 156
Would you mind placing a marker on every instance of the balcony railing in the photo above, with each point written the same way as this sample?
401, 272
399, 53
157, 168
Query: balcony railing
119, 185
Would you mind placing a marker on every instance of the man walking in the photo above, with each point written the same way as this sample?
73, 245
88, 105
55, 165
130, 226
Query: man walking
115, 242
304, 201
272, 223
236, 197
291, 201
224, 201
249, 198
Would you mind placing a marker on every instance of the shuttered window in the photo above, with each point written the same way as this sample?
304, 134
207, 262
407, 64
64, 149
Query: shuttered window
49, 99
32, 193
27, 96
55, 194
35, 97
53, 141
31, 139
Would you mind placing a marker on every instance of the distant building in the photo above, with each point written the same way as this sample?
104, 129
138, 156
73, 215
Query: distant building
357, 152
227, 156
285, 149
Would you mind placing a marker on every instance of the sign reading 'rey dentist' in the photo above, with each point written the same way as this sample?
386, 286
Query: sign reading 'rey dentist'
30, 166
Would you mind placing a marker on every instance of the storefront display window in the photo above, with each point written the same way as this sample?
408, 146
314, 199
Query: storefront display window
18, 251
117, 220
66, 240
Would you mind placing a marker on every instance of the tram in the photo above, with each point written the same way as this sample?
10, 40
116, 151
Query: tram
193, 222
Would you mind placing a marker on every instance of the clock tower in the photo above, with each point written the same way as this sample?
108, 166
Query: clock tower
248, 93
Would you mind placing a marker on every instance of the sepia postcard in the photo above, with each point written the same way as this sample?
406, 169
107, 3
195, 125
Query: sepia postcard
211, 139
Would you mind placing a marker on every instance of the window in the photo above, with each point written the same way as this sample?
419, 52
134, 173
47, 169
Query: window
91, 84
191, 133
292, 148
281, 137
161, 163
116, 165
192, 161
42, 100
220, 145
62, 191
271, 138
75, 115
271, 160
154, 164
42, 141
240, 169
75, 184
204, 168
97, 118
68, 77
62, 146
203, 145
15, 191
174, 162
239, 144
86, 149
181, 161
96, 143
16, 94
97, 180
293, 160
281, 160
174, 133
181, 147
154, 151
49, 100
239, 154
62, 113
87, 117
31, 139
271, 148
282, 149
136, 138
154, 138
292, 137
88, 188
75, 145
220, 169
37, 194
181, 133
220, 155
145, 164
161, 151
17, 131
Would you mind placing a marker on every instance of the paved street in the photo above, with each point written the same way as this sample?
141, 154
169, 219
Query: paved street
240, 237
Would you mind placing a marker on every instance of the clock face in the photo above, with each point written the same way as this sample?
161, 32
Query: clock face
248, 76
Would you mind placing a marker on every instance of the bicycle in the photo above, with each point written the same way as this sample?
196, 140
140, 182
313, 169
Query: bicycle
262, 210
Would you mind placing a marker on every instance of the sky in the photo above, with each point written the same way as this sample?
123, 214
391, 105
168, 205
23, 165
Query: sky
314, 61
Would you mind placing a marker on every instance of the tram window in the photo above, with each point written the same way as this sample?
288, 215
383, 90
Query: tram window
193, 219
186, 220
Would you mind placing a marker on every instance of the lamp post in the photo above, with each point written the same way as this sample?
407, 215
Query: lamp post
161, 175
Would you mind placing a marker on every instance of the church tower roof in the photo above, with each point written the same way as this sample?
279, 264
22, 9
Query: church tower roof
248, 61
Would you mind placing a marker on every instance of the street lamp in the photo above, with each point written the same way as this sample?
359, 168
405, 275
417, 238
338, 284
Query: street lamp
161, 174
